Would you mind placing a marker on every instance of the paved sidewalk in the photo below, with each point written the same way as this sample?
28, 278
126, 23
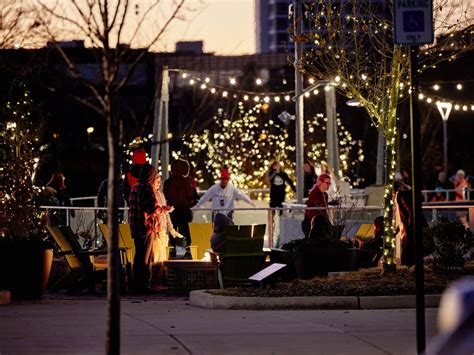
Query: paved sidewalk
169, 325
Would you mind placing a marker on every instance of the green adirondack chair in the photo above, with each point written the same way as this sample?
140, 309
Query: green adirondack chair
243, 253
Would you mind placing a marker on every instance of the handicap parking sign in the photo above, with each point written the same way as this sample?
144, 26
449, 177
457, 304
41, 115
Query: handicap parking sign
413, 22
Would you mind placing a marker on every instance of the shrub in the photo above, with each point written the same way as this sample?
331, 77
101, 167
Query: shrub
451, 242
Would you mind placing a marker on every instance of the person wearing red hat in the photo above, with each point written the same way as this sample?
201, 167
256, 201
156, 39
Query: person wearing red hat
138, 160
223, 195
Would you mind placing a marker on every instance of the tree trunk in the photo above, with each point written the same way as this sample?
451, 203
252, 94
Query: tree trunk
113, 260
390, 132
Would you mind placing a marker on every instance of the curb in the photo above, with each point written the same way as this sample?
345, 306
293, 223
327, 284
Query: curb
203, 299
4, 297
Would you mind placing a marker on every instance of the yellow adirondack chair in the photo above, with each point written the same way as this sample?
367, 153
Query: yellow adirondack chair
365, 231
127, 253
201, 237
81, 262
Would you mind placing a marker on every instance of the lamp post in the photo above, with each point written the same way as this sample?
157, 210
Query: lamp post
444, 109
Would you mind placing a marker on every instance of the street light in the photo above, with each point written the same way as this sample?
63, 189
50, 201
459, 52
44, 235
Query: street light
444, 109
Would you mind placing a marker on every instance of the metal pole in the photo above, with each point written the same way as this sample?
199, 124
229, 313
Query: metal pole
160, 143
331, 130
299, 103
444, 109
416, 200
380, 172
445, 145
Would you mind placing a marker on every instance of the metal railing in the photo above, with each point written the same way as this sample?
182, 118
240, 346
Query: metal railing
447, 194
282, 224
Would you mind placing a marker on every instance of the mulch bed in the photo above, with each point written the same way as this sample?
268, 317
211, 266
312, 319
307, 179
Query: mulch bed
366, 282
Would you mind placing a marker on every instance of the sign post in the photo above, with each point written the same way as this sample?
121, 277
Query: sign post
413, 26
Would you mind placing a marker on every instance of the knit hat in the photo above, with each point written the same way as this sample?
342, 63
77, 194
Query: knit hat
225, 174
139, 157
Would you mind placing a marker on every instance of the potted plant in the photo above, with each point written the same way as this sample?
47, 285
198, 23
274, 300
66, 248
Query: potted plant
25, 256
323, 251
450, 243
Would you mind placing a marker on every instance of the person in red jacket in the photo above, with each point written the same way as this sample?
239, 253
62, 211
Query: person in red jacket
317, 197
180, 193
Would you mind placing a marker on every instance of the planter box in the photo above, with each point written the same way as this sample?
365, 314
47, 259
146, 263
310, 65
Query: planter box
188, 275
24, 269
312, 261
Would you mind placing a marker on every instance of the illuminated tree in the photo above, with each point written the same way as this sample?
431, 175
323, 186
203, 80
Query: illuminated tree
353, 46
20, 217
248, 143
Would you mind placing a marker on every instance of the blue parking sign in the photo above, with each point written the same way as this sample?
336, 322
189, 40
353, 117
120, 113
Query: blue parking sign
413, 21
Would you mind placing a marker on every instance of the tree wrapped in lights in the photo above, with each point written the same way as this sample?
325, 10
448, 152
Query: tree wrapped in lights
353, 45
20, 217
351, 153
244, 144
248, 143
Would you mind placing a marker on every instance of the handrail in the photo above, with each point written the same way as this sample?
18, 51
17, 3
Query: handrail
468, 193
280, 225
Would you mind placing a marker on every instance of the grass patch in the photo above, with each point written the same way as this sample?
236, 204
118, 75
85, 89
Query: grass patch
365, 282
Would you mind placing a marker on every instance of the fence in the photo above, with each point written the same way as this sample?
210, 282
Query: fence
282, 224
446, 194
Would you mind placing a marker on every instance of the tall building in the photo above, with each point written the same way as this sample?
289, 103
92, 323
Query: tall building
272, 25
272, 20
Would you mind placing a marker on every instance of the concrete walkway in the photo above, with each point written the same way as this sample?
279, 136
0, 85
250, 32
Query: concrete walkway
169, 325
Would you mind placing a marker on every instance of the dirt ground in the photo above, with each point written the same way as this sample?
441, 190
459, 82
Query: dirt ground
366, 282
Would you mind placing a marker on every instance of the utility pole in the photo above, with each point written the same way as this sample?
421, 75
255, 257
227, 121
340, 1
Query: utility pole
299, 100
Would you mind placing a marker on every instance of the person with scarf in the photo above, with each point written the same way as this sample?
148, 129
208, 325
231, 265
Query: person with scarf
143, 204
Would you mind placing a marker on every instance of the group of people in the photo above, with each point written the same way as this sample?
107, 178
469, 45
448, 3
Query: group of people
154, 215
453, 189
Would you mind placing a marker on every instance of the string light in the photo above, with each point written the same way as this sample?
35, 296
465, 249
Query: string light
464, 105
239, 94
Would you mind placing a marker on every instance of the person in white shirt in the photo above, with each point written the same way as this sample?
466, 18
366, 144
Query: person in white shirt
223, 196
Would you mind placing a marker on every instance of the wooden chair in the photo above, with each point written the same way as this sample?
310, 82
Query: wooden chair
127, 240
243, 253
365, 231
201, 237
126, 252
80, 261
